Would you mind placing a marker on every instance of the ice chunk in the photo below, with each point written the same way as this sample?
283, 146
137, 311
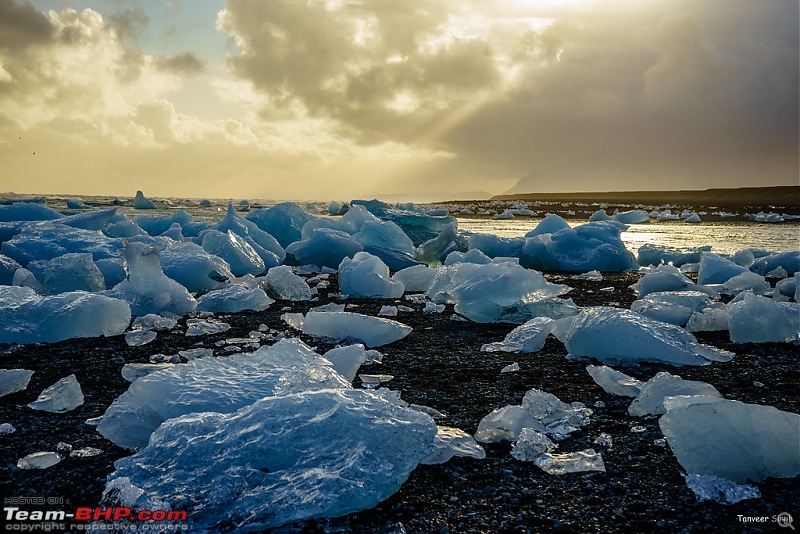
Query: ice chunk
529, 337
495, 246
651, 397
388, 311
202, 327
70, 272
325, 247
734, 440
346, 360
146, 288
778, 272
7, 428
432, 307
599, 215
159, 224
450, 442
746, 281
372, 331
614, 382
283, 284
708, 320
63, 396
14, 380
194, 268
140, 202
85, 452
506, 424
284, 221
530, 445
715, 269
673, 307
788, 261
553, 413
193, 354
384, 235
48, 240
152, 321
132, 371
610, 334
215, 384
471, 256
570, 462
8, 267
241, 257
512, 368
234, 298
27, 211
755, 319
786, 288
665, 278
549, 225
632, 217
416, 278
712, 488
366, 275
272, 463
136, 338
434, 251
295, 320
594, 276
28, 318
39, 460
266, 246
499, 293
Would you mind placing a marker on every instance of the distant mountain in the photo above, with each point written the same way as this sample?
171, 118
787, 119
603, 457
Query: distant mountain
423, 198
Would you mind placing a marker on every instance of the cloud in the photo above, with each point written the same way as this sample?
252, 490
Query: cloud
129, 22
183, 63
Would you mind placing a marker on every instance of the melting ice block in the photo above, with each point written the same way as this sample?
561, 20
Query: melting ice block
241, 257
283, 284
450, 442
146, 288
614, 382
570, 462
653, 393
70, 272
215, 384
39, 460
346, 360
284, 221
657, 254
63, 396
194, 268
136, 338
529, 337
14, 380
531, 444
723, 491
325, 247
734, 440
234, 298
140, 202
366, 275
416, 278
673, 307
756, 319
505, 424
28, 318
611, 334
715, 269
372, 331
279, 461
666, 278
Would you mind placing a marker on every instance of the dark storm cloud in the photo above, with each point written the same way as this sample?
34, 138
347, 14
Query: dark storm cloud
183, 63
22, 25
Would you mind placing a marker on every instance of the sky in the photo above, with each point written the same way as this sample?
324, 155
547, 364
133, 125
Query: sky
412, 99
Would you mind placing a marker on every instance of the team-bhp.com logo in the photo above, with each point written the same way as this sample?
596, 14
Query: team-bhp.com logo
86, 513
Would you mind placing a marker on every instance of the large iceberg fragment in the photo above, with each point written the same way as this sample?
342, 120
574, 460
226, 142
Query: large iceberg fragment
614, 382
528, 337
241, 257
674, 307
549, 225
372, 331
416, 278
215, 384
234, 298
63, 396
279, 460
27, 211
734, 440
716, 269
283, 221
146, 288
366, 275
615, 335
651, 397
28, 318
756, 319
70, 272
191, 266
140, 202
655, 255
14, 380
324, 247
48, 240
266, 246
788, 261
283, 284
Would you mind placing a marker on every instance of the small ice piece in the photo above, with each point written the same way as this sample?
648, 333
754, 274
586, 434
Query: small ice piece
660, 442
136, 338
63, 396
406, 309
372, 331
526, 338
531, 444
505, 424
651, 397
614, 382
372, 381
132, 371
14, 380
432, 307
638, 429
347, 360
234, 298
153, 321
756, 319
388, 311
295, 320
734, 440
85, 452
7, 428
202, 327
720, 490
140, 202
570, 462
709, 320
553, 413
366, 275
514, 367
63, 447
194, 354
283, 284
450, 442
39, 460
594, 276
163, 358
604, 440
664, 278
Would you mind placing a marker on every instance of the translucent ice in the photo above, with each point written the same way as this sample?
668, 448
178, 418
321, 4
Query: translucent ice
132, 371
734, 440
708, 320
715, 269
384, 235
650, 254
673, 307
234, 298
366, 275
202, 327
529, 337
531, 444
215, 384
48, 240
194, 268
632, 217
570, 462
471, 256
13, 380
284, 221
6, 428
746, 281
136, 338
512, 368
755, 319
505, 424
614, 382
552, 412
435, 250
146, 288
39, 460
346, 360
241, 257
594, 276
788, 261
450, 442
549, 225
665, 278
372, 331
416, 278
152, 321
29, 318
611, 334
723, 491
63, 396
70, 272
651, 397
281, 283
27, 211
8, 267
279, 461
262, 242
325, 247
